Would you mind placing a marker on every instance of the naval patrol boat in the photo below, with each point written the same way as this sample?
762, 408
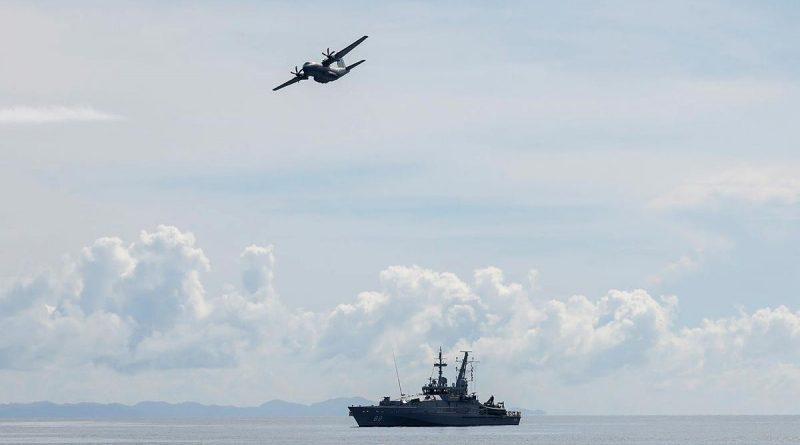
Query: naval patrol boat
439, 404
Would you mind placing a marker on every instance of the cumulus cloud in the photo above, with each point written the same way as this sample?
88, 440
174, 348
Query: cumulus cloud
109, 304
753, 185
53, 114
257, 265
141, 307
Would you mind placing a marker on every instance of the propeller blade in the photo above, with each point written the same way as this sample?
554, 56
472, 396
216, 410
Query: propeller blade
329, 54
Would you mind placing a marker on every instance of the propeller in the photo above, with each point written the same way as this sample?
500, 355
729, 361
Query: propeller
297, 72
331, 55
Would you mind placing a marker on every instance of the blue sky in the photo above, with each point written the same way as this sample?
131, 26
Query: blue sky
604, 145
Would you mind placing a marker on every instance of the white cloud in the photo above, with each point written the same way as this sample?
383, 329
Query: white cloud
685, 264
108, 305
141, 308
753, 185
54, 114
257, 265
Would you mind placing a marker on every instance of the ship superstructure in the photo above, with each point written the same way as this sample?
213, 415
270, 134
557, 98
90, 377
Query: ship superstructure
439, 404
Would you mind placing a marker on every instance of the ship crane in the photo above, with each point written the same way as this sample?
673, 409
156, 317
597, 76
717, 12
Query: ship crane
461, 381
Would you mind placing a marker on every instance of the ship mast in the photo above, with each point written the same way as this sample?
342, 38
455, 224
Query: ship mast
440, 364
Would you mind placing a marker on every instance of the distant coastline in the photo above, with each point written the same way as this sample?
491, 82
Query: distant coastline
273, 408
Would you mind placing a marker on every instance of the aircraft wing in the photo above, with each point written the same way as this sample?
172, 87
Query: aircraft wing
287, 83
343, 52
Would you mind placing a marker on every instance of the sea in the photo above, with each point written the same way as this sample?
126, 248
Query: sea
560, 430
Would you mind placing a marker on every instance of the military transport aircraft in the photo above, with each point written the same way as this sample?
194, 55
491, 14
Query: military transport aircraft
324, 72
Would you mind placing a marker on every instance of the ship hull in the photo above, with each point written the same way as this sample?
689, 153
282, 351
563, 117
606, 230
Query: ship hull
379, 416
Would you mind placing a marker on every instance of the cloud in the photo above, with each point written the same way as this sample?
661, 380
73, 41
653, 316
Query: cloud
141, 308
766, 337
54, 114
110, 304
751, 185
257, 265
685, 264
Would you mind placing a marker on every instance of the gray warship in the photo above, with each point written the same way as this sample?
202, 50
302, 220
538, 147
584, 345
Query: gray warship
439, 404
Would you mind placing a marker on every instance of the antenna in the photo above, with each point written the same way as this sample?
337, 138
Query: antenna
472, 375
397, 372
471, 363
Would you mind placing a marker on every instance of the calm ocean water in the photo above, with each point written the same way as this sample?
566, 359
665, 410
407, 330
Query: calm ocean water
329, 430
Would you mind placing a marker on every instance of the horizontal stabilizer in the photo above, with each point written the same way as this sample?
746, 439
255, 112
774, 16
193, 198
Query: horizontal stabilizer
355, 65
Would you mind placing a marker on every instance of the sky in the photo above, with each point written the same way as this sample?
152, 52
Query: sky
600, 199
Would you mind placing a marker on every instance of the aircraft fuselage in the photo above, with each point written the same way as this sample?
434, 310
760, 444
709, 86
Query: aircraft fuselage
321, 73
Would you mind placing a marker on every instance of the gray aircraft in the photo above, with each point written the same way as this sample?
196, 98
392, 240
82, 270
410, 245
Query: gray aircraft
323, 72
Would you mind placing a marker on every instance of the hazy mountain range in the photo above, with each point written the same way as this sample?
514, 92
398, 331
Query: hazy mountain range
273, 408
332, 407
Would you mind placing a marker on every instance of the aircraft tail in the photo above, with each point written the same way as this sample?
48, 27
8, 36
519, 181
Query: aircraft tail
355, 65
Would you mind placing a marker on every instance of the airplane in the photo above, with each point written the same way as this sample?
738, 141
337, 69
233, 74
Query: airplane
324, 72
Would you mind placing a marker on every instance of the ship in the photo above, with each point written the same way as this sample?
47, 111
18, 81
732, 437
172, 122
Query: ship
439, 404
